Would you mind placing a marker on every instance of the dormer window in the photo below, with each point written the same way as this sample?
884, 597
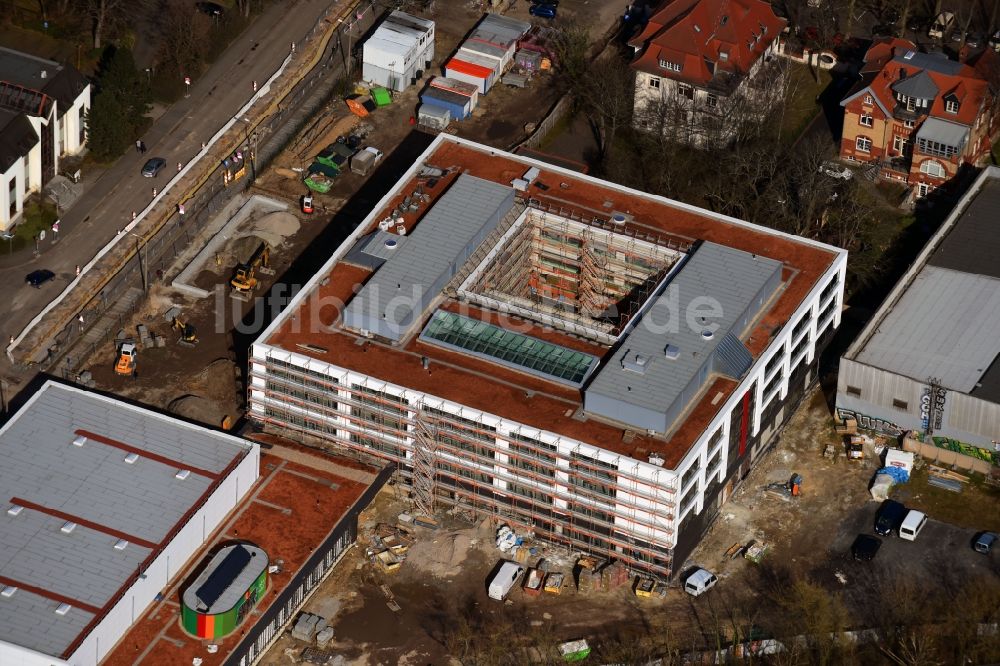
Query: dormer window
672, 66
867, 100
723, 56
910, 104
951, 106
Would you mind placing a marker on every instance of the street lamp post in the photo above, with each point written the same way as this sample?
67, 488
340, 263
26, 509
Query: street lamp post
140, 251
252, 149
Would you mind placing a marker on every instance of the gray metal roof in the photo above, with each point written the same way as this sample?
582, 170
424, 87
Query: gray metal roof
942, 131
944, 327
373, 250
936, 62
100, 491
501, 30
973, 244
920, 86
397, 295
410, 21
640, 384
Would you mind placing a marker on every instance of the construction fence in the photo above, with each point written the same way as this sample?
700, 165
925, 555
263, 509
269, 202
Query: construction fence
153, 259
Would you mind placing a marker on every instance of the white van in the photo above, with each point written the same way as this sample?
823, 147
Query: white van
699, 582
504, 579
912, 524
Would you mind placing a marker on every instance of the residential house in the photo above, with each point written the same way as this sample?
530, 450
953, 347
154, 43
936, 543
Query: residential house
704, 59
43, 105
916, 118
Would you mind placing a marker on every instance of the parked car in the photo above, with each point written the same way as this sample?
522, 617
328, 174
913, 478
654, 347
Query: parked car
912, 524
956, 37
836, 170
700, 582
889, 517
865, 547
543, 11
37, 278
554, 3
984, 544
153, 167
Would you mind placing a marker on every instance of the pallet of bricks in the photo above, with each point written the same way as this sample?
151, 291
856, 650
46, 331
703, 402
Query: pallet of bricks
595, 574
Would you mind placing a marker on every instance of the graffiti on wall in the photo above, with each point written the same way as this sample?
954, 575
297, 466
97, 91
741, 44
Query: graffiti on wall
870, 422
932, 402
992, 457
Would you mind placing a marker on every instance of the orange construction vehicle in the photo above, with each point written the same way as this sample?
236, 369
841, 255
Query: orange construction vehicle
126, 364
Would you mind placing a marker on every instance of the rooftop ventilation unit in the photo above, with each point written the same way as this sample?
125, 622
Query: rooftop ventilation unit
619, 218
182, 474
672, 352
531, 174
121, 545
520, 184
15, 510
68, 527
63, 609
8, 591
656, 459
707, 334
80, 441
131, 458
635, 362
391, 243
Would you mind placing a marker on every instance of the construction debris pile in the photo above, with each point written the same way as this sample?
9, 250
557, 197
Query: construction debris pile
309, 628
388, 546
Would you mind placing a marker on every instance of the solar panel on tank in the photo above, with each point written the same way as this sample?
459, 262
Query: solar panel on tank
223, 576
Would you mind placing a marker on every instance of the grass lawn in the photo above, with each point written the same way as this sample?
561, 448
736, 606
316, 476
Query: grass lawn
803, 89
973, 508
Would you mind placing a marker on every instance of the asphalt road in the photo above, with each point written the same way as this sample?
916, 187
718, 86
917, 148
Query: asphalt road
97, 215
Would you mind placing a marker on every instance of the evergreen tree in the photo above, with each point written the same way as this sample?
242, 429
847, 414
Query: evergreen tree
118, 112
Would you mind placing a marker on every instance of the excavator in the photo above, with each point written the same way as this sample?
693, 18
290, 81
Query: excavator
188, 333
245, 279
127, 360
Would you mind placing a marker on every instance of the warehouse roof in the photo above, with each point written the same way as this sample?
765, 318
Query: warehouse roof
942, 324
93, 490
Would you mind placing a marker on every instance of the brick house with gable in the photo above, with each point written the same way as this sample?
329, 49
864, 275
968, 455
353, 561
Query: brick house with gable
702, 57
916, 118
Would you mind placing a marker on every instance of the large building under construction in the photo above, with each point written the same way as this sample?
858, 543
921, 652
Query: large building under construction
592, 363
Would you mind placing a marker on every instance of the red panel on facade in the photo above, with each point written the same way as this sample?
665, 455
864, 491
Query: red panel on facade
469, 68
745, 423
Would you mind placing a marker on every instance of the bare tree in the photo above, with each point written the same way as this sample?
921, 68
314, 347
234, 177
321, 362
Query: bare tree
104, 16
606, 96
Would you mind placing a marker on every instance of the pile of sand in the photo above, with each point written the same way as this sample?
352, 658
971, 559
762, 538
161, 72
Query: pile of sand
441, 556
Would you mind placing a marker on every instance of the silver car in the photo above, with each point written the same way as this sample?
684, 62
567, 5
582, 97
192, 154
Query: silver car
153, 166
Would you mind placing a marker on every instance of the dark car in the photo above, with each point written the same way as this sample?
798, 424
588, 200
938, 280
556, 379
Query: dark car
865, 547
984, 544
37, 278
889, 517
210, 8
543, 11
153, 167
554, 3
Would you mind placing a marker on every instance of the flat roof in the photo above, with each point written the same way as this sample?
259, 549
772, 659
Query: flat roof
226, 579
521, 396
82, 474
300, 498
941, 324
661, 358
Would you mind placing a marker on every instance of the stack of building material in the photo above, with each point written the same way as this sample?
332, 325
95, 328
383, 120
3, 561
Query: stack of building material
614, 575
554, 582
307, 626
588, 574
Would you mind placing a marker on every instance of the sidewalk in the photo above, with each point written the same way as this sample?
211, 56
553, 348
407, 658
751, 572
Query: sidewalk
106, 207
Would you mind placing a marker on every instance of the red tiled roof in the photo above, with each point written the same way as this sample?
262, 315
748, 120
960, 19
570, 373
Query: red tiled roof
693, 33
966, 84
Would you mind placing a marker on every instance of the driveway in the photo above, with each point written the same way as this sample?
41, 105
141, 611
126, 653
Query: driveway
96, 216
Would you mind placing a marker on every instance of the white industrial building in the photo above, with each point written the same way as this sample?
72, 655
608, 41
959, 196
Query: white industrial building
508, 350
43, 106
929, 360
104, 503
399, 51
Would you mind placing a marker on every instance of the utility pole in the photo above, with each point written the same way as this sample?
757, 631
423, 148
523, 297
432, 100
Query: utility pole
140, 250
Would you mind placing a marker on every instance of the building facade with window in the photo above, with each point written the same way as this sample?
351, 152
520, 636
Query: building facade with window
916, 118
929, 360
43, 105
703, 67
594, 364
